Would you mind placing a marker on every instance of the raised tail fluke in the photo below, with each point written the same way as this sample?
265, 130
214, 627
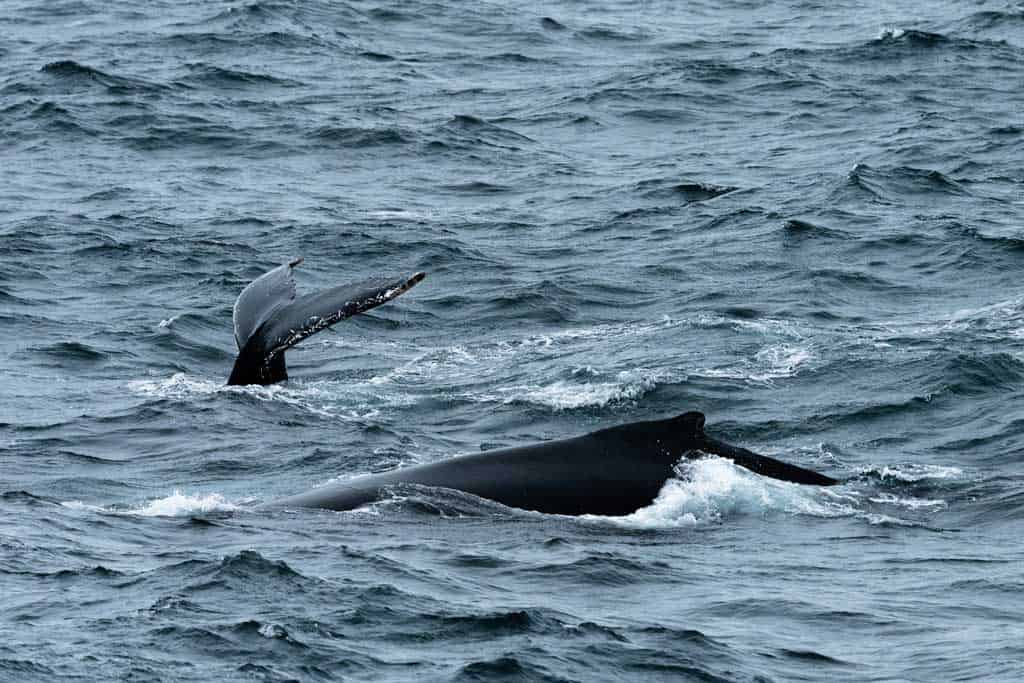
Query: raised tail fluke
269, 318
261, 298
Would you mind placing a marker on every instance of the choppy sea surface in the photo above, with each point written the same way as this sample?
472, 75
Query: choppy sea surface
805, 219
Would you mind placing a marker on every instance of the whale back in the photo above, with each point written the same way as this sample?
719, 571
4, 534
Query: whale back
613, 471
668, 439
684, 435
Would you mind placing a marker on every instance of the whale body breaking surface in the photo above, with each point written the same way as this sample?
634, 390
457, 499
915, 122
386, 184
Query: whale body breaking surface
613, 471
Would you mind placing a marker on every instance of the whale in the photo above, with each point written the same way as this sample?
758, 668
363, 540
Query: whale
613, 472
269, 318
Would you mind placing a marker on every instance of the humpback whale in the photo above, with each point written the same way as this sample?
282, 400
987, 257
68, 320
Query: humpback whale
613, 471
269, 318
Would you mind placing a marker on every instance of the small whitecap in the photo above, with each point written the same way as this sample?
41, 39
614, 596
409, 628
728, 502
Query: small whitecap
628, 385
178, 386
908, 502
272, 631
912, 472
328, 399
79, 505
783, 360
891, 33
762, 326
778, 361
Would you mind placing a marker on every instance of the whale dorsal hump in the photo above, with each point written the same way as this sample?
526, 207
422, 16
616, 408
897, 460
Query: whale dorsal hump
686, 430
261, 299
690, 424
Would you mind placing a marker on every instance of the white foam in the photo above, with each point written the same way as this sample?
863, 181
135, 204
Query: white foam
177, 386
778, 361
483, 361
908, 502
708, 490
628, 385
912, 473
711, 488
346, 401
272, 631
79, 505
177, 504
764, 326
1000, 319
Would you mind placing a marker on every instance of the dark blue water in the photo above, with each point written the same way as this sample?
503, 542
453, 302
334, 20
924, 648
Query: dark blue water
804, 219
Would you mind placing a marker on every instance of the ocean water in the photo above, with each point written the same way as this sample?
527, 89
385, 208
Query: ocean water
805, 219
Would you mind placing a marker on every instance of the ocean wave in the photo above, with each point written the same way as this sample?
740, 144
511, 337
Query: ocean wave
359, 138
465, 131
492, 372
908, 502
1005, 24
893, 44
74, 73
806, 229
613, 34
998, 322
687, 191
243, 42
774, 362
762, 325
211, 76
69, 353
895, 185
493, 357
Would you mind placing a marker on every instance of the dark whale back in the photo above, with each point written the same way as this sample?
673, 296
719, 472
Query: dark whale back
570, 477
614, 471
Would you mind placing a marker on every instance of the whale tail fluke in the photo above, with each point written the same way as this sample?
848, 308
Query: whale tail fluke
269, 318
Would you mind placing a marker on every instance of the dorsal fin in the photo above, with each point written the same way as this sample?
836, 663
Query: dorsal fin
690, 424
685, 430
262, 298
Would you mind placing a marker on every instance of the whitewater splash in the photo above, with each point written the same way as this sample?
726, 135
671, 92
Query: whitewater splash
711, 489
328, 399
779, 361
912, 472
177, 504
